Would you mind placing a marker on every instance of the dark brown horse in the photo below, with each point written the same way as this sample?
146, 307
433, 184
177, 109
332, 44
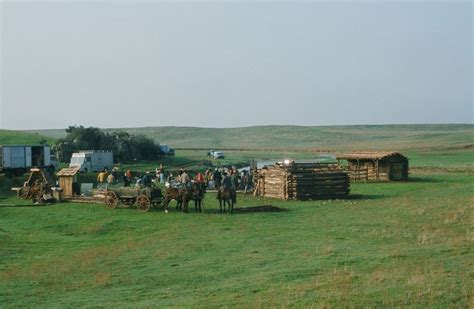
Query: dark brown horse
182, 196
172, 194
228, 196
198, 196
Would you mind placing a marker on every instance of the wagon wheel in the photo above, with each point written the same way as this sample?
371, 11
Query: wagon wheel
35, 192
24, 192
111, 199
143, 203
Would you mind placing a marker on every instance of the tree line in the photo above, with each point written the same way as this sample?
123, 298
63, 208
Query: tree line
126, 147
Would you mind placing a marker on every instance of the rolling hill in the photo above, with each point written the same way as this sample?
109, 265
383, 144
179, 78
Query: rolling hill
400, 137
9, 137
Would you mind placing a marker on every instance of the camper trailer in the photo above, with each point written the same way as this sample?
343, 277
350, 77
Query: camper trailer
92, 160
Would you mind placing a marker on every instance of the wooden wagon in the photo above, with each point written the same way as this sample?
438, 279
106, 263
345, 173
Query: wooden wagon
143, 199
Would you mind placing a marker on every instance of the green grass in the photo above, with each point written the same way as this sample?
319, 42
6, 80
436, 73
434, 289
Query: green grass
390, 245
9, 137
398, 137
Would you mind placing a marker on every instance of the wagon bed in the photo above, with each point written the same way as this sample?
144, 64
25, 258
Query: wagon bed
142, 198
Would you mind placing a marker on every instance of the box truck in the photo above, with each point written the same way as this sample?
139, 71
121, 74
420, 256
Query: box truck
92, 160
17, 159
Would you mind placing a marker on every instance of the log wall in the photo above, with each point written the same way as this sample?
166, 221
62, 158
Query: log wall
303, 181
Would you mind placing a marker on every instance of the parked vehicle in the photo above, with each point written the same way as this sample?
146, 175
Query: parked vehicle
18, 159
166, 150
215, 154
92, 160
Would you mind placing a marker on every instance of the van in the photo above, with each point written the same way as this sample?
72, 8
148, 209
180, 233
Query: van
92, 160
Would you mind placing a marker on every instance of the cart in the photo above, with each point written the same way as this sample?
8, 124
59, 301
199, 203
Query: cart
143, 199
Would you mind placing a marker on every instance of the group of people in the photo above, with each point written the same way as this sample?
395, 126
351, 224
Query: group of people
225, 178
104, 177
230, 178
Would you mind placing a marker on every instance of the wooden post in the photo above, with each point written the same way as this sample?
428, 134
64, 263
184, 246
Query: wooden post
377, 169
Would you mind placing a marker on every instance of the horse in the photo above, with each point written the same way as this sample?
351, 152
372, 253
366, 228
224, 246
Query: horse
172, 194
228, 196
198, 195
186, 196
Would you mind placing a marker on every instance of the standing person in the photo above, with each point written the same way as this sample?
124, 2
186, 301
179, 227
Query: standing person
234, 178
126, 180
162, 174
226, 182
110, 179
249, 185
115, 173
185, 178
243, 180
200, 180
217, 177
178, 178
102, 177
146, 179
138, 183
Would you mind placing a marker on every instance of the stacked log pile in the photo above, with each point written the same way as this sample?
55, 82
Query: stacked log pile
303, 181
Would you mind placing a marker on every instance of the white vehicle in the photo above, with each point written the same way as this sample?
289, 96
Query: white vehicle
92, 160
17, 159
218, 155
215, 154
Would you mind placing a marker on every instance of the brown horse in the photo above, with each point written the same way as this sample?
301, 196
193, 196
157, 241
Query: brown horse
182, 196
172, 194
198, 196
186, 197
228, 196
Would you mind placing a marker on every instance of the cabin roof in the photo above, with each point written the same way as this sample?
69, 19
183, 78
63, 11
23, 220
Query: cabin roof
372, 155
68, 171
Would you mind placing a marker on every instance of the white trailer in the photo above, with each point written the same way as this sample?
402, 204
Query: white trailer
92, 160
17, 159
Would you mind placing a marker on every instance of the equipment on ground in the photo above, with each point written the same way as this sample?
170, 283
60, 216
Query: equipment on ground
38, 187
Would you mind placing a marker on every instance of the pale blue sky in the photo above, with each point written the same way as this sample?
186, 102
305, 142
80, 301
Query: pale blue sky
212, 64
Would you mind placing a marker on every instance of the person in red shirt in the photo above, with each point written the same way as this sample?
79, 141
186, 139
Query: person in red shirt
199, 179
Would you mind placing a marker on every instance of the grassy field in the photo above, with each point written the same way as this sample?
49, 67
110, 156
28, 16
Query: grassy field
390, 244
399, 137
9, 137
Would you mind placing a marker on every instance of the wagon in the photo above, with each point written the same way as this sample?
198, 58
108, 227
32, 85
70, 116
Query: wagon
143, 199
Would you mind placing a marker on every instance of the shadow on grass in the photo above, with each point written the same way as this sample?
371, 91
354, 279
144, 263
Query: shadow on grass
423, 180
5, 205
364, 197
261, 208
237, 210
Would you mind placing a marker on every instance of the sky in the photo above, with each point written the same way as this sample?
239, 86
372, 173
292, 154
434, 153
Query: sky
234, 63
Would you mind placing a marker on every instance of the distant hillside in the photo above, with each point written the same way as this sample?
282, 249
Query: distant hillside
316, 137
8, 137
